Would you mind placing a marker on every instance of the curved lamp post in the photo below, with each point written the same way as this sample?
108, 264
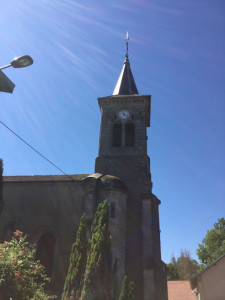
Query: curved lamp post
6, 85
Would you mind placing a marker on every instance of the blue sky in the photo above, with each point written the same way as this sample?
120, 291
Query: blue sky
176, 51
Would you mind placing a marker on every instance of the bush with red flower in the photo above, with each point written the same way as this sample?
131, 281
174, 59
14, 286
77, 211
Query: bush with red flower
21, 276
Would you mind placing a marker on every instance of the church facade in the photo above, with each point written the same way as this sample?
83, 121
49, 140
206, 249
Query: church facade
48, 208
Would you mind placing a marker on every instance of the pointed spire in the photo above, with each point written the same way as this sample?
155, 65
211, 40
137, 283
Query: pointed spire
127, 39
126, 84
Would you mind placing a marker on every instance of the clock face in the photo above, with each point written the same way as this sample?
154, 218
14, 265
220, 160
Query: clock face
124, 114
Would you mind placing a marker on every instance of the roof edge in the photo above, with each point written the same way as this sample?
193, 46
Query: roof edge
194, 279
33, 178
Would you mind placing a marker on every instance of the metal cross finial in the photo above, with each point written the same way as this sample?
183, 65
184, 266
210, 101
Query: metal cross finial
127, 39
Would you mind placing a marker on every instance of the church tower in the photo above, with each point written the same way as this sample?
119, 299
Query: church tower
125, 117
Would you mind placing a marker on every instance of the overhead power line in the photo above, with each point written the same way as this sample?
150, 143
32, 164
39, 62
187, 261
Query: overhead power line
36, 150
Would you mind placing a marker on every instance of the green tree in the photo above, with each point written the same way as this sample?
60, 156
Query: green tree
21, 276
213, 245
74, 279
1, 185
131, 291
98, 273
127, 290
172, 272
186, 266
182, 268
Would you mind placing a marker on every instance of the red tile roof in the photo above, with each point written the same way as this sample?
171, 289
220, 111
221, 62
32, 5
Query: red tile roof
180, 290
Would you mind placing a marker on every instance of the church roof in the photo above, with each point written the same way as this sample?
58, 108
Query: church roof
26, 178
125, 84
178, 290
112, 182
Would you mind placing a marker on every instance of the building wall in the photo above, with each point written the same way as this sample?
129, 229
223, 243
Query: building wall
40, 207
45, 207
211, 283
117, 222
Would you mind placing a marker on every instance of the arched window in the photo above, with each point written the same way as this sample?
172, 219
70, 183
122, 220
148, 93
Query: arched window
8, 230
46, 251
117, 135
129, 134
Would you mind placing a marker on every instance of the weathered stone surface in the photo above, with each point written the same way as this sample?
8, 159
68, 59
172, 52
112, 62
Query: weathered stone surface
132, 165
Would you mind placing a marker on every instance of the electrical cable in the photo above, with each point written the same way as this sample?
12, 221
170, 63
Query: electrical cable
36, 150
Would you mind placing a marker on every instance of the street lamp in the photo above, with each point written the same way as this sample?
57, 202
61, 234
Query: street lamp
19, 62
6, 85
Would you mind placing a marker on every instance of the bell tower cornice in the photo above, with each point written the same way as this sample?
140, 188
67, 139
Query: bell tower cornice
128, 99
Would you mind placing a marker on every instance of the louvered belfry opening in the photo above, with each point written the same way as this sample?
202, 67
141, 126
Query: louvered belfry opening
117, 135
123, 134
129, 135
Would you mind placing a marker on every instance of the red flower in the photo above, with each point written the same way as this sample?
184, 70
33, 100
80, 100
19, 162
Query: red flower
18, 233
35, 269
17, 274
4, 245
14, 261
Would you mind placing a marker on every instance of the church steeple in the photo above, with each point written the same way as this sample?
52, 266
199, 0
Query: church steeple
126, 84
125, 117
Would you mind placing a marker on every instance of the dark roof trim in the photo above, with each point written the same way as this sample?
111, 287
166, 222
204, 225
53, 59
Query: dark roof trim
34, 178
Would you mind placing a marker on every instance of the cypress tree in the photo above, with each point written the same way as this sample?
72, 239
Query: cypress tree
124, 289
98, 273
74, 279
127, 290
131, 291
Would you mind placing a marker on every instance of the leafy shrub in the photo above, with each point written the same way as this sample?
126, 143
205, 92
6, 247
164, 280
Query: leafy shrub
21, 276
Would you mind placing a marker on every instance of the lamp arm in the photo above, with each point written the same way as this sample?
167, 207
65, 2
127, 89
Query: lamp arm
4, 67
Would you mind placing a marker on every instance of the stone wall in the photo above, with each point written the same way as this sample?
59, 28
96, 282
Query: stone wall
37, 207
